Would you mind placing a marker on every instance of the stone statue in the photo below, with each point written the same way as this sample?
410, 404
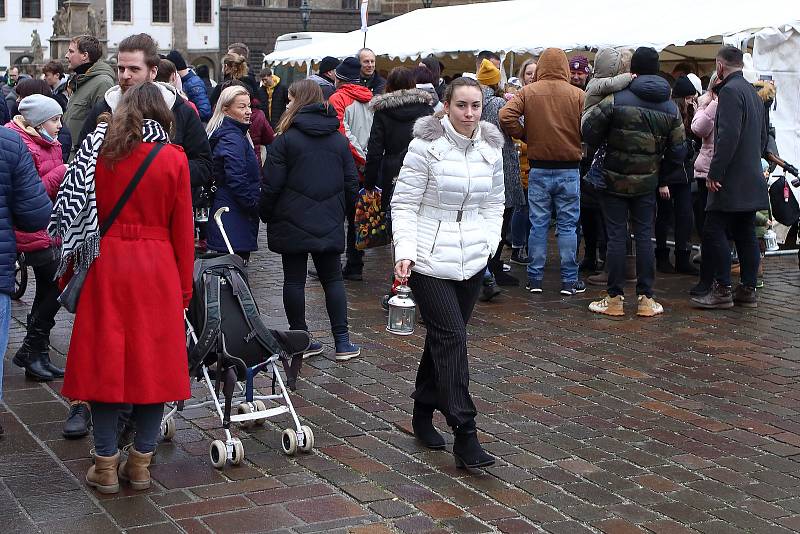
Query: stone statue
92, 25
36, 47
60, 22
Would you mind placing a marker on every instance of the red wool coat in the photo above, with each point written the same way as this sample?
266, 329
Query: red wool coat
128, 343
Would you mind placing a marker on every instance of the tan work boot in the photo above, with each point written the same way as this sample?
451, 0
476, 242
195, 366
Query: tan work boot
102, 476
609, 306
648, 307
135, 469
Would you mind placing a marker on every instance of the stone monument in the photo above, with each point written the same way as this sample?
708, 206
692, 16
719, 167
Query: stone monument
76, 17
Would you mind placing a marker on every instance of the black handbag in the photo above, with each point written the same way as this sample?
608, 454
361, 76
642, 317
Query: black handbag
784, 205
72, 291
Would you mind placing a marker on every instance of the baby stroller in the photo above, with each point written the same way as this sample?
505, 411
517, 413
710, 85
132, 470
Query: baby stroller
228, 346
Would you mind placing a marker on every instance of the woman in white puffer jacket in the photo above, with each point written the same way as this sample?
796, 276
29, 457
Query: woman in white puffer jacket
447, 213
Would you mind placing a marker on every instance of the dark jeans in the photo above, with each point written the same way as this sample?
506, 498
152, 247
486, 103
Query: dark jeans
592, 228
520, 226
641, 210
443, 374
106, 415
677, 212
329, 271
717, 249
700, 202
355, 257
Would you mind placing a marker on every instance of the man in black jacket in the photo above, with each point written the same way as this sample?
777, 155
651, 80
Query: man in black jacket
369, 76
137, 62
736, 185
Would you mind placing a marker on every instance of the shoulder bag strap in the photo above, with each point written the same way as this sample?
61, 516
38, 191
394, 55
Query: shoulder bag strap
129, 190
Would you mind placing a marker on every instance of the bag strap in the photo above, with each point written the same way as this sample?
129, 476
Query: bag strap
129, 190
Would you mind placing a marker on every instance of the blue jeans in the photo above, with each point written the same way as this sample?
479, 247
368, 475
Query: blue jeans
5, 318
559, 189
105, 418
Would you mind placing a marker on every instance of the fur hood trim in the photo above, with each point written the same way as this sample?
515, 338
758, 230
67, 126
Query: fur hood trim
400, 98
430, 129
765, 90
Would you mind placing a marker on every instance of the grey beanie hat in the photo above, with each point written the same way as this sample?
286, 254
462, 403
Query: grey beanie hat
37, 109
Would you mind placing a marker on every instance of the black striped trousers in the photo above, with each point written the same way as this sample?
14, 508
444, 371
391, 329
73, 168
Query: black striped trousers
443, 374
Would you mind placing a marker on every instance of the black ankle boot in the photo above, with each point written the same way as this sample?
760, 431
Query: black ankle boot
467, 450
424, 431
33, 363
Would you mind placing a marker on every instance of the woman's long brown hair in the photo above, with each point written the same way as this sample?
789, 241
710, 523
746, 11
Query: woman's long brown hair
140, 102
304, 92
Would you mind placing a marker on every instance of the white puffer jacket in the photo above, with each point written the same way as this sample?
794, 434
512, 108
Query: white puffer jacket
447, 206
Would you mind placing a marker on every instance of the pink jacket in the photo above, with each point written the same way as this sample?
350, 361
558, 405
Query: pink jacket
51, 168
703, 127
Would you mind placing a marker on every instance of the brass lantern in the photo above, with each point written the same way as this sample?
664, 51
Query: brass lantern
402, 312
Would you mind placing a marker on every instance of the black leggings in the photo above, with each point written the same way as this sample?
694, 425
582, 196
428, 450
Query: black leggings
45, 302
329, 271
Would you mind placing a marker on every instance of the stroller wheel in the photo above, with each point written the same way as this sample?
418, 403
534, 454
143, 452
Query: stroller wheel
238, 452
260, 407
289, 441
308, 439
218, 453
244, 408
168, 429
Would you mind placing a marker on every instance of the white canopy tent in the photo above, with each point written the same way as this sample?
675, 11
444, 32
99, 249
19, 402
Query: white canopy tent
529, 26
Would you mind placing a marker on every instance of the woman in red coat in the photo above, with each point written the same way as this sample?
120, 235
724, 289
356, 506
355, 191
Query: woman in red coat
128, 344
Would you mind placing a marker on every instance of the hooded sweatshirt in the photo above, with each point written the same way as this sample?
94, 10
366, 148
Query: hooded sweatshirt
552, 108
607, 78
355, 117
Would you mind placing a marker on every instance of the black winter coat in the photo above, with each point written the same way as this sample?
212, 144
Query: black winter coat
189, 134
674, 173
310, 184
276, 109
740, 135
392, 124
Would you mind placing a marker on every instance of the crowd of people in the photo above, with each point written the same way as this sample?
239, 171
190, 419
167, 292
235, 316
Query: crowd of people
464, 167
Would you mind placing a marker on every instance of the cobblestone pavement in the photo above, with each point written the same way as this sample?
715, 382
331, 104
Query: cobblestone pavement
683, 423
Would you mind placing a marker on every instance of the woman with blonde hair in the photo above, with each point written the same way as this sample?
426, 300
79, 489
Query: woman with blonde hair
236, 173
311, 183
527, 71
234, 67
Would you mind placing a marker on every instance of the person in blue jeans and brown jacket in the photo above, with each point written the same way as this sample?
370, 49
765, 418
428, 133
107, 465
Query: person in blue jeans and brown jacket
24, 205
551, 108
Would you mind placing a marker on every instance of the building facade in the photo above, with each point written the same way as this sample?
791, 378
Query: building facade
191, 26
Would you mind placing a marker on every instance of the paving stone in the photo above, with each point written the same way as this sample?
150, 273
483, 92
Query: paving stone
260, 518
133, 511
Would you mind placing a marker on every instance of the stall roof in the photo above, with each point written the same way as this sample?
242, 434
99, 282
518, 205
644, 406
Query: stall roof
529, 26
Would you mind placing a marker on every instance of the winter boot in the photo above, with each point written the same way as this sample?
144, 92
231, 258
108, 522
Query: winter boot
599, 279
745, 297
78, 422
344, 349
519, 256
467, 449
630, 268
663, 264
489, 290
102, 476
683, 264
424, 431
135, 469
720, 297
33, 355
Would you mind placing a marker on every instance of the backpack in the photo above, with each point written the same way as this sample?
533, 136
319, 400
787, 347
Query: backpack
225, 317
783, 204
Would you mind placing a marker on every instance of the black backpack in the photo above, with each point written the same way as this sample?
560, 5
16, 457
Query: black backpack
783, 203
227, 323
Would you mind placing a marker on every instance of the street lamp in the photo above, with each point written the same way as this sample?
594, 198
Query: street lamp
305, 13
427, 3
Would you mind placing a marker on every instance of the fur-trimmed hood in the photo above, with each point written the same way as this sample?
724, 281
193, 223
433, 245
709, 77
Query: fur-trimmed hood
431, 128
766, 91
400, 98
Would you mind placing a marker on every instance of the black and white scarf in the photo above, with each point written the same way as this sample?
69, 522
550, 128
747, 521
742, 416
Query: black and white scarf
74, 221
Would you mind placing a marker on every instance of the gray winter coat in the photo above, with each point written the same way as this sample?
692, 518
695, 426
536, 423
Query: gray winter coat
515, 197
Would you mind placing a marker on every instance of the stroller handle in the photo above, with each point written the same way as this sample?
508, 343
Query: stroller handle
218, 220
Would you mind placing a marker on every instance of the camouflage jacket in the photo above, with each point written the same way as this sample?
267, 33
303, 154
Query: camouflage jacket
640, 127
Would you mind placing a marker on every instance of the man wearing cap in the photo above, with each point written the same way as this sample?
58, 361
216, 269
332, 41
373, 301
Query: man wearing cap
579, 71
325, 76
351, 102
192, 85
640, 127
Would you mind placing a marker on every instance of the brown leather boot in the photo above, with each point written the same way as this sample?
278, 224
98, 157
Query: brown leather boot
102, 476
135, 469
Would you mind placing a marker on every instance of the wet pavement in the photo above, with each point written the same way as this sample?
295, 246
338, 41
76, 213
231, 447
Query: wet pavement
689, 422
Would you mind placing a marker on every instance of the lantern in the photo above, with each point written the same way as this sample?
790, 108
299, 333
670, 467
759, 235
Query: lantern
402, 312
771, 240
201, 214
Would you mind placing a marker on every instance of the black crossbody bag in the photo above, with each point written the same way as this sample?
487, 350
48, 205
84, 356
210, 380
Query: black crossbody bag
72, 291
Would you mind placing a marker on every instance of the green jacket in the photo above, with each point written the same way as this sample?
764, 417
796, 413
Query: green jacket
87, 90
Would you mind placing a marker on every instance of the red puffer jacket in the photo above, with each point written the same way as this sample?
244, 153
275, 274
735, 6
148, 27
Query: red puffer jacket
47, 158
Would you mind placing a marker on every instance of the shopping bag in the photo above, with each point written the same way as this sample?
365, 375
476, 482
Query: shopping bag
370, 220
